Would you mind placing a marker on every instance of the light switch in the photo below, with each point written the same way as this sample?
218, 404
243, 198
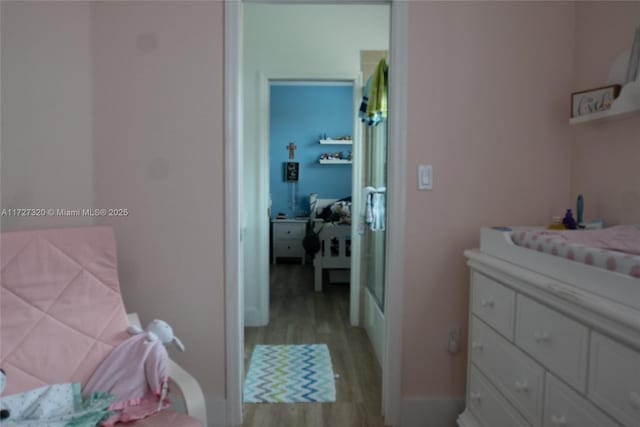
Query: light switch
425, 177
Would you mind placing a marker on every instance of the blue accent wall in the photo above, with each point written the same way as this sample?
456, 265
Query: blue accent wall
300, 114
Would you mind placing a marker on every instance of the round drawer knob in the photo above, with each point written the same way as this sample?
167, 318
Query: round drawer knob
634, 399
542, 337
487, 303
559, 421
522, 386
477, 346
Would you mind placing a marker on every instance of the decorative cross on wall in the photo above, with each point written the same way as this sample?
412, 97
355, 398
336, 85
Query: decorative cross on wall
292, 150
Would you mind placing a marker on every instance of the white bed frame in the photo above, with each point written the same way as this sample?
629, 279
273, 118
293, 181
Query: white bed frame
325, 259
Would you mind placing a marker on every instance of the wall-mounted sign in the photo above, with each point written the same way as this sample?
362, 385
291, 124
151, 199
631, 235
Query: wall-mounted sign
593, 100
291, 171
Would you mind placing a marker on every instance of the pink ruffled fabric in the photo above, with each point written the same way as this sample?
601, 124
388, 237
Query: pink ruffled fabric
135, 372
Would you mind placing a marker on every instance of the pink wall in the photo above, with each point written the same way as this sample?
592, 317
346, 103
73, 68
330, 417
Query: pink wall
158, 139
605, 155
489, 85
120, 105
47, 99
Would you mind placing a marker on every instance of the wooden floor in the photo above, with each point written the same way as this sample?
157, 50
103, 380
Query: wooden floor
298, 315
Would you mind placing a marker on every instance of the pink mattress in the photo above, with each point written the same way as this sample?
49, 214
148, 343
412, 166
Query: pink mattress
613, 249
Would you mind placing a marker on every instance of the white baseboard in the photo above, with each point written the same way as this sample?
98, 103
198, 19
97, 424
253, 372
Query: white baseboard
216, 412
374, 324
216, 409
431, 411
416, 411
252, 317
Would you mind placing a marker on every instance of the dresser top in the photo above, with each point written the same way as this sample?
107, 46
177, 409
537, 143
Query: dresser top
294, 220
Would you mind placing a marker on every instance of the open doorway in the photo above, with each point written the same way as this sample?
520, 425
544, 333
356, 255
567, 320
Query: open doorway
311, 138
308, 123
237, 229
305, 41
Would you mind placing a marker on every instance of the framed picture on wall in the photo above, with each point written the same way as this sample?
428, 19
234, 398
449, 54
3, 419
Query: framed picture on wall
291, 171
593, 100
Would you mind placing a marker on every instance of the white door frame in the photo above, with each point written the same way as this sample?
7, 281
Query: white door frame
398, 63
263, 153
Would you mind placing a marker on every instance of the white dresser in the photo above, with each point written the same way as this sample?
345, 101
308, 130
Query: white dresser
542, 353
287, 238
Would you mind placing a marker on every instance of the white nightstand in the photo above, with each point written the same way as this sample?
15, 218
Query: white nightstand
287, 238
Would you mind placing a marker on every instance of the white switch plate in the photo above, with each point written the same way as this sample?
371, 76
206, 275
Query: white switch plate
453, 344
425, 177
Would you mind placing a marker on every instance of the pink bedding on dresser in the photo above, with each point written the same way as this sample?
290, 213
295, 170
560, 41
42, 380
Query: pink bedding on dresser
621, 238
61, 311
614, 249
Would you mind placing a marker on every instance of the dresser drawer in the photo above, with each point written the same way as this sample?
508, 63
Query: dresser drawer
288, 248
555, 340
493, 303
289, 230
514, 373
486, 403
614, 380
566, 408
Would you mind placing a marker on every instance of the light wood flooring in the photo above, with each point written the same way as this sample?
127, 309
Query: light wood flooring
298, 315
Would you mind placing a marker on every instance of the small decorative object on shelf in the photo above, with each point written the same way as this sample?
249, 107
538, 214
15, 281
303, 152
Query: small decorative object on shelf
593, 100
568, 221
580, 211
336, 158
556, 223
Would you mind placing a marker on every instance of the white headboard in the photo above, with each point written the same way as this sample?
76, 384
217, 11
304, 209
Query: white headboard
316, 205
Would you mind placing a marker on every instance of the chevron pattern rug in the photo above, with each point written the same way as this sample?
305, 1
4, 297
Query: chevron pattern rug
290, 374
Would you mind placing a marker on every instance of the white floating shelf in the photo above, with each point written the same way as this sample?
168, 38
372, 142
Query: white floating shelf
335, 162
336, 142
626, 104
609, 114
